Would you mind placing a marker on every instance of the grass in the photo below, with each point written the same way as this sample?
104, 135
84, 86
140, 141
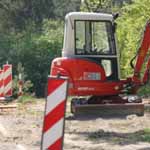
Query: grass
30, 105
26, 99
146, 135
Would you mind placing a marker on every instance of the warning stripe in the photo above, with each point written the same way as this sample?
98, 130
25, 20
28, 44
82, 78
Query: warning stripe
1, 90
55, 86
1, 83
7, 70
56, 97
57, 145
54, 116
7, 80
53, 134
8, 89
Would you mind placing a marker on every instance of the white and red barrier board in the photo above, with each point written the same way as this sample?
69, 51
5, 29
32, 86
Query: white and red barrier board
7, 80
53, 126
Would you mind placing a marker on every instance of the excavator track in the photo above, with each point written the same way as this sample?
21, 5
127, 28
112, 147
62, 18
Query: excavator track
82, 108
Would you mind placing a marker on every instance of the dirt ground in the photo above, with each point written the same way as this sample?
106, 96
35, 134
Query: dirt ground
20, 129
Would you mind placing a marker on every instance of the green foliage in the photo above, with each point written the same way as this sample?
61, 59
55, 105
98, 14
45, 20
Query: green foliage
19, 13
26, 99
130, 28
96, 5
102, 5
144, 91
62, 7
36, 51
146, 135
32, 34
27, 84
46, 47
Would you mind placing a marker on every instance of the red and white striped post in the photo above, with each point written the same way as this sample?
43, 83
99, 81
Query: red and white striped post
7, 80
1, 84
53, 126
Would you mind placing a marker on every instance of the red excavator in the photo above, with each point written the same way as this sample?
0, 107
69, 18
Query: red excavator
90, 60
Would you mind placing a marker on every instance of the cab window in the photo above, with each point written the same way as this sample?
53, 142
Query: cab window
94, 38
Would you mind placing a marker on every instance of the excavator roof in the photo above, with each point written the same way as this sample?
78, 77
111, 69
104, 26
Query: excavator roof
89, 16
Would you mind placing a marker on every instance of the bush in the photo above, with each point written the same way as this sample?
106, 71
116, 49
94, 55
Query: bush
35, 49
27, 84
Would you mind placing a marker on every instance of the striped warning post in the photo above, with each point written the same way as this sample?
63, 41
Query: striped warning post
1, 84
53, 126
7, 80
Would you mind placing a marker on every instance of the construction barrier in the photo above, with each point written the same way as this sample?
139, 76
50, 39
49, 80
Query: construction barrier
1, 83
53, 126
7, 80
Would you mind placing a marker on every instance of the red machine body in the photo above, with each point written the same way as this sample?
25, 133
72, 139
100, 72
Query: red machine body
86, 77
91, 61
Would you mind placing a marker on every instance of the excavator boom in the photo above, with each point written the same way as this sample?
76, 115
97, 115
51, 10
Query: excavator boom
142, 56
147, 72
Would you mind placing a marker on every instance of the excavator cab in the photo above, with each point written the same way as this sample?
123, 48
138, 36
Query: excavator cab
89, 55
92, 36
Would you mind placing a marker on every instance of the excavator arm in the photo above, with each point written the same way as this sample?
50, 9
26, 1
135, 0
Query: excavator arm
146, 76
142, 55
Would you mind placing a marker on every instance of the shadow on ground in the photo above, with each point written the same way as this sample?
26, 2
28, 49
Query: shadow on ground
91, 117
116, 137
